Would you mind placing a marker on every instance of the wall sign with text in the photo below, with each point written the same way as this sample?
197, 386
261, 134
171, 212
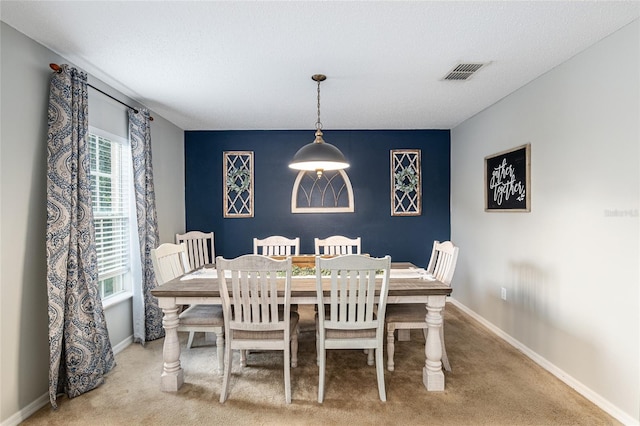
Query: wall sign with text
507, 180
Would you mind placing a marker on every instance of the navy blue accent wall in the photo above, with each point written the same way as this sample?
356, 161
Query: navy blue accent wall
404, 238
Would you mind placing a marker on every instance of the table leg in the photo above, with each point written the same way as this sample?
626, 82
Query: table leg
172, 375
432, 375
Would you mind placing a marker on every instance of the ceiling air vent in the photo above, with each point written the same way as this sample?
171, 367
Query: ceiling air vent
463, 71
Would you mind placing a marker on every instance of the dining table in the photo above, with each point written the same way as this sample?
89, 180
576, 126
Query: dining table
407, 284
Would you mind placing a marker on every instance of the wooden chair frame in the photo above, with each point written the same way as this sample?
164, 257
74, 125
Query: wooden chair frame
337, 245
254, 315
276, 245
353, 318
200, 247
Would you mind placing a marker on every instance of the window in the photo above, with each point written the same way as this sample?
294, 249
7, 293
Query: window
110, 188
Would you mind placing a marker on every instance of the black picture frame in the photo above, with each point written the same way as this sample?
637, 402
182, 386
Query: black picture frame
507, 180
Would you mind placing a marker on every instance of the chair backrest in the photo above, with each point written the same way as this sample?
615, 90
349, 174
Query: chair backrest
352, 300
169, 261
276, 245
200, 247
249, 290
442, 263
337, 245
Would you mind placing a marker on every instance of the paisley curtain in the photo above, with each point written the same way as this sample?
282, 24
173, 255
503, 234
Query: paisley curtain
79, 349
147, 321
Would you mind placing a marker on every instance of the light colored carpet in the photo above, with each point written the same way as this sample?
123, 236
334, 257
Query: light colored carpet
491, 384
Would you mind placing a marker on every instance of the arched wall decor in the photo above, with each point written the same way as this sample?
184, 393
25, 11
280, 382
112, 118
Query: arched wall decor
329, 193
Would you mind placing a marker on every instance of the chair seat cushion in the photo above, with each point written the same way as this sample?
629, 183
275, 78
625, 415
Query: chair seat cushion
406, 312
269, 335
202, 315
332, 333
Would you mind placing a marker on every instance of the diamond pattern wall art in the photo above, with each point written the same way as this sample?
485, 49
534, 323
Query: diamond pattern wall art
406, 182
238, 184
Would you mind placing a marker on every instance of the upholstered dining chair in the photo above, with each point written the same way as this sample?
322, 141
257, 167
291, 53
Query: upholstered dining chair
353, 315
169, 262
254, 316
200, 247
276, 245
442, 265
337, 245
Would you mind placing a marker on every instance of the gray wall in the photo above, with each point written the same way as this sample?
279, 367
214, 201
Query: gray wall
25, 73
570, 266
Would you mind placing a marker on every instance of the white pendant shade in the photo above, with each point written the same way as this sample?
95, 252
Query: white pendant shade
318, 155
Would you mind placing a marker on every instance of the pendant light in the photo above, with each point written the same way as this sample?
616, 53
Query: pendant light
318, 156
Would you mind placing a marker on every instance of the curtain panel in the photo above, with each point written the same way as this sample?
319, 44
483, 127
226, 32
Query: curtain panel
79, 349
147, 314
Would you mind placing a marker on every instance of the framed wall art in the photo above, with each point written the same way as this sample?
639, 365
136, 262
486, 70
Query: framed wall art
406, 182
507, 180
238, 183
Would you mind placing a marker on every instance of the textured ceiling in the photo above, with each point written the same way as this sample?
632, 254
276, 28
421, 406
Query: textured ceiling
248, 65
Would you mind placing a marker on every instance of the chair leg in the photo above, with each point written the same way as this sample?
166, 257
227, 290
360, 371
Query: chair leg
190, 341
243, 358
390, 347
287, 374
224, 393
294, 347
322, 358
380, 372
220, 350
317, 348
369, 353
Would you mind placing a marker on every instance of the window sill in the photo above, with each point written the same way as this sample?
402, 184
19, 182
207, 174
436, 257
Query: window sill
118, 298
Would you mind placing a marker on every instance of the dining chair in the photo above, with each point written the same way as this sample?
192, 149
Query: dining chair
442, 265
276, 245
200, 247
353, 315
255, 317
169, 262
337, 245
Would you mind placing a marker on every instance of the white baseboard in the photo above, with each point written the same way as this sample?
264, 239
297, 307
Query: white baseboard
36, 405
27, 411
579, 387
122, 345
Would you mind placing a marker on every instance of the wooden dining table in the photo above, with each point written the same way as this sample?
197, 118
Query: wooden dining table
407, 284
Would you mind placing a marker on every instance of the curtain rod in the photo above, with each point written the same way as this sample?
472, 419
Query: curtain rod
58, 68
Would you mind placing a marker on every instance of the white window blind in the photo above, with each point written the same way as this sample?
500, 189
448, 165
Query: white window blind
110, 194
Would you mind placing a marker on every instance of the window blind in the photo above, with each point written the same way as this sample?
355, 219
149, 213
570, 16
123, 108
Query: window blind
110, 206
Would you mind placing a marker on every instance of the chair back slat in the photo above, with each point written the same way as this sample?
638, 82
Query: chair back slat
250, 292
200, 247
352, 299
337, 245
442, 263
276, 245
169, 261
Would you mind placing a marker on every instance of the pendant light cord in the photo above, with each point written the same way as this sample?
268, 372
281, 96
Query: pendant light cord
318, 123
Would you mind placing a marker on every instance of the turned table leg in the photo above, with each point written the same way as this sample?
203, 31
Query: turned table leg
172, 375
432, 375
